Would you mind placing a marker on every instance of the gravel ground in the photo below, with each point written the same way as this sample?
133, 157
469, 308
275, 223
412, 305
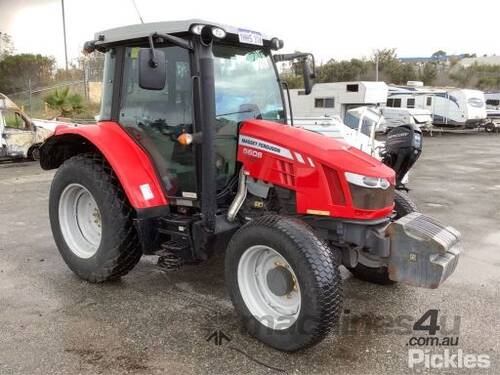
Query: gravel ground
150, 322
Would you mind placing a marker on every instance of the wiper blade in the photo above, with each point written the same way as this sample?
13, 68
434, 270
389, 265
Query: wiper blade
235, 113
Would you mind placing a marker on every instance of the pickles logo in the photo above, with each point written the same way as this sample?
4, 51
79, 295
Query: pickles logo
447, 359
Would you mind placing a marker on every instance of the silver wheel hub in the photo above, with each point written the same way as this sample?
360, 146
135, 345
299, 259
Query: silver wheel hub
80, 221
269, 287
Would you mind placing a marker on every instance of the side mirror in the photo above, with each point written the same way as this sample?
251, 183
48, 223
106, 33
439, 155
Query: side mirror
152, 69
308, 77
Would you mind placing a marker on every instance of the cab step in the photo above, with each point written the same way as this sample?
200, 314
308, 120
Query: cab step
172, 254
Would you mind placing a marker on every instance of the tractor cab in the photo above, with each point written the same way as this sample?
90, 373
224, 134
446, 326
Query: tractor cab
162, 96
192, 155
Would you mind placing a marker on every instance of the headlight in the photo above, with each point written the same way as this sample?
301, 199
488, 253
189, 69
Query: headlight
196, 29
367, 181
216, 31
370, 193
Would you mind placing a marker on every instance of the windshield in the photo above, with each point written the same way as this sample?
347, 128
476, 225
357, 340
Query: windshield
370, 116
246, 85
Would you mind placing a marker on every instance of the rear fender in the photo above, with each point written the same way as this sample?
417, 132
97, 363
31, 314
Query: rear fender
129, 161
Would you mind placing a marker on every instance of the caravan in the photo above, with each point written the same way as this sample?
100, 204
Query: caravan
454, 107
337, 98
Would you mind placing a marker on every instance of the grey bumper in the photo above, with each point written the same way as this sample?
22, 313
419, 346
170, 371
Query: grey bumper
423, 252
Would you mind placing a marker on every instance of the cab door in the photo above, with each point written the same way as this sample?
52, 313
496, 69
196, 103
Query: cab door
18, 134
155, 119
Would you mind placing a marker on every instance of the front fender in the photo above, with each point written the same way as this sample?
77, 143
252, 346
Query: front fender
128, 160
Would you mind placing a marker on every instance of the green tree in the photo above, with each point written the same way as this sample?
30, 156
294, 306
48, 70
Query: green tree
6, 45
65, 102
462, 76
403, 73
17, 70
341, 71
428, 74
439, 53
293, 81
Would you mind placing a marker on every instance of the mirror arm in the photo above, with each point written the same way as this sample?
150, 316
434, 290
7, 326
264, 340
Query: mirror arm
179, 42
293, 56
172, 39
152, 62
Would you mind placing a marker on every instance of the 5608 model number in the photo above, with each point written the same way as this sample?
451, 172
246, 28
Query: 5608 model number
252, 153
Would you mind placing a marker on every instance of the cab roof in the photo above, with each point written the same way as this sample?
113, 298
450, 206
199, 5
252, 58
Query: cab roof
140, 31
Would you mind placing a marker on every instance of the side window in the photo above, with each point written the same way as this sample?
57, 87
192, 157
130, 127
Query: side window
155, 118
319, 102
107, 85
390, 102
14, 120
329, 102
429, 101
324, 102
351, 121
410, 103
397, 103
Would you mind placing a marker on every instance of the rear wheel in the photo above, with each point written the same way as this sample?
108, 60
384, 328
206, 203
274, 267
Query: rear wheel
91, 220
283, 282
371, 268
489, 127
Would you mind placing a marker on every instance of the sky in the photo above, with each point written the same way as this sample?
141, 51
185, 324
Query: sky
329, 29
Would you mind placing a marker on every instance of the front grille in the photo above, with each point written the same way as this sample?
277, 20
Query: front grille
371, 199
286, 172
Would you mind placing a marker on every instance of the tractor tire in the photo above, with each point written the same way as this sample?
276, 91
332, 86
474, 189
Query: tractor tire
283, 282
91, 220
403, 205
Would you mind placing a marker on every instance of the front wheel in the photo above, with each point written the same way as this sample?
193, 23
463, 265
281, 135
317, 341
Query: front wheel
91, 220
403, 205
283, 282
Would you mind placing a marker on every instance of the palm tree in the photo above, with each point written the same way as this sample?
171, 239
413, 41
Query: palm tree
66, 103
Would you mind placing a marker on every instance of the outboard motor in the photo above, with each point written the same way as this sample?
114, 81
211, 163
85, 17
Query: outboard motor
402, 149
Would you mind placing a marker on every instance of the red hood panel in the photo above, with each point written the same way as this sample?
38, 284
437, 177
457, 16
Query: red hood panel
303, 161
331, 152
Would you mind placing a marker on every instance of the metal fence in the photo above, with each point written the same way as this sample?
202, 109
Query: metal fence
86, 83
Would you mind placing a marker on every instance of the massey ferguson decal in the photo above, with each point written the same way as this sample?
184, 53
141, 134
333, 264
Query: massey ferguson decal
265, 146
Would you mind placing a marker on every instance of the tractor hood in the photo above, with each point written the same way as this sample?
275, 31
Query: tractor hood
327, 175
302, 145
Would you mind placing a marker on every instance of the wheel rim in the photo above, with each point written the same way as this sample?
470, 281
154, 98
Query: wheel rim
80, 220
269, 287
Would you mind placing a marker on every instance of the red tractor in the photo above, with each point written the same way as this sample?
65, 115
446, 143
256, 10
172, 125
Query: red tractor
192, 154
